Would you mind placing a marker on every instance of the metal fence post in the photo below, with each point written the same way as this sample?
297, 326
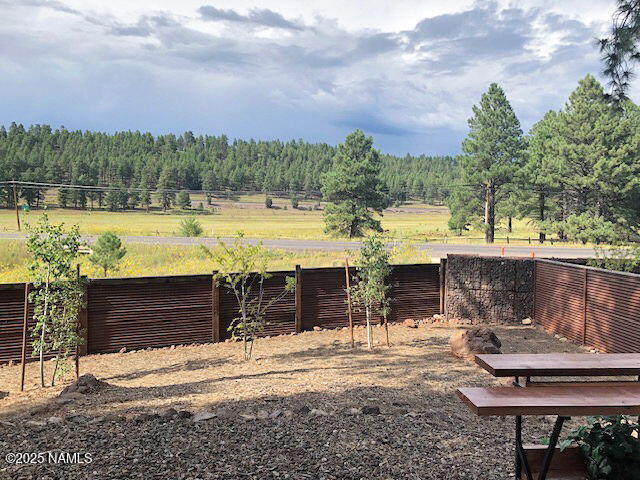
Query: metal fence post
585, 300
298, 299
215, 308
443, 279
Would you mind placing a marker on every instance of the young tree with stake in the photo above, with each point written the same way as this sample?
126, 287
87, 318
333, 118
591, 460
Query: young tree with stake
371, 290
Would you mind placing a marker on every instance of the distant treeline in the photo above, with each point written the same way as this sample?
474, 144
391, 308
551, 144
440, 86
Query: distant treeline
135, 160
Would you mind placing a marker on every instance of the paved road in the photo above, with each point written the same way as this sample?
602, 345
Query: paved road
436, 250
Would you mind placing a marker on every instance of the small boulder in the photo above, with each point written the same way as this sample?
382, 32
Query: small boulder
410, 323
55, 420
276, 414
122, 350
317, 328
527, 321
467, 343
184, 414
303, 410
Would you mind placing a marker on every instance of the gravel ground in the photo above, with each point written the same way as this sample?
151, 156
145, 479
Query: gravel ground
294, 412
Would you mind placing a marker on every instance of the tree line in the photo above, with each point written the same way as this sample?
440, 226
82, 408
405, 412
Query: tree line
136, 164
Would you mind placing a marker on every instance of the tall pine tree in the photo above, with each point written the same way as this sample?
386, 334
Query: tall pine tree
493, 151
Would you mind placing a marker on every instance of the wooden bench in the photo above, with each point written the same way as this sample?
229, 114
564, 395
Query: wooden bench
562, 401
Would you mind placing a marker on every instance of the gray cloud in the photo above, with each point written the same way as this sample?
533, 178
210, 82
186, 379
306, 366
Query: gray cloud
167, 72
257, 16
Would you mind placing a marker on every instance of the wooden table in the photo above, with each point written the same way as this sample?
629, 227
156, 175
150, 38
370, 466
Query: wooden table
526, 365
561, 398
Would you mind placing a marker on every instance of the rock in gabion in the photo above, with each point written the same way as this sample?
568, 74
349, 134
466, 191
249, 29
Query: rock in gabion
489, 289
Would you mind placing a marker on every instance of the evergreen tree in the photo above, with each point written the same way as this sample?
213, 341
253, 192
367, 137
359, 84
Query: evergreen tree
544, 175
184, 200
493, 149
107, 252
598, 146
353, 188
166, 182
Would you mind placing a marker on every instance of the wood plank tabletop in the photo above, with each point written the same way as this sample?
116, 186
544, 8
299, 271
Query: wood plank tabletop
560, 364
565, 401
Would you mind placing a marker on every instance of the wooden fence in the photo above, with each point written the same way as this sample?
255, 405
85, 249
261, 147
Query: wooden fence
590, 306
146, 312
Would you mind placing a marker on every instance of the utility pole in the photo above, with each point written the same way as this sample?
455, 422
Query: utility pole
15, 204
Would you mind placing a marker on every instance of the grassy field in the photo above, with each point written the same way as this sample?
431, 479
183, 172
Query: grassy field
150, 260
413, 221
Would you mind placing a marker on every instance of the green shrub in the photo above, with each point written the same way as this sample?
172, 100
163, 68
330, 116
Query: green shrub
190, 227
268, 202
295, 201
610, 446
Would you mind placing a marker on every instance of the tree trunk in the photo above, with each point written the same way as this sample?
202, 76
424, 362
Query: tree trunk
489, 213
510, 224
369, 330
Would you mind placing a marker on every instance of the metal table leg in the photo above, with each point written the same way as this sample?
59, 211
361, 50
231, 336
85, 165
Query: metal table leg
521, 458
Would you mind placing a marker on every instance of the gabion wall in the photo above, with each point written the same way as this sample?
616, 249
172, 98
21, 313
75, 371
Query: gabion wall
489, 289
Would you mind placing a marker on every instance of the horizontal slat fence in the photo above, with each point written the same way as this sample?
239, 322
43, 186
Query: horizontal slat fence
136, 313
591, 306
281, 315
148, 312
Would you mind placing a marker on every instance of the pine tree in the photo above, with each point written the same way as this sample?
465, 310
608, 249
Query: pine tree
493, 151
184, 200
353, 188
107, 252
598, 145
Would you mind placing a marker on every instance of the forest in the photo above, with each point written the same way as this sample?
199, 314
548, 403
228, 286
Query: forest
138, 163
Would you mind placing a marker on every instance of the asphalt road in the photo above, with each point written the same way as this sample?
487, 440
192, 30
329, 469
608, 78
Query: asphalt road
436, 250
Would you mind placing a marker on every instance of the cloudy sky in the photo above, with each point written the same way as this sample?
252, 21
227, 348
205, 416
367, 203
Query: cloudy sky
405, 71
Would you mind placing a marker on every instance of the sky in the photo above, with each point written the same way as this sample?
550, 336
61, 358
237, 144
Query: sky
406, 72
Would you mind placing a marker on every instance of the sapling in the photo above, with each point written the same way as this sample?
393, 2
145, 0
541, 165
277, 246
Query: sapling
57, 293
371, 289
243, 270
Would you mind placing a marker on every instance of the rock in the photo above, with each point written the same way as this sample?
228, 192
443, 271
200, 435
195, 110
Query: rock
55, 420
317, 328
262, 414
3, 394
410, 323
467, 343
169, 413
122, 350
369, 410
276, 414
246, 416
202, 416
34, 423
318, 412
355, 411
303, 410
527, 321
184, 414
76, 418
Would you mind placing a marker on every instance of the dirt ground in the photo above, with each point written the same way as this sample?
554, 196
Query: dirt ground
423, 430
